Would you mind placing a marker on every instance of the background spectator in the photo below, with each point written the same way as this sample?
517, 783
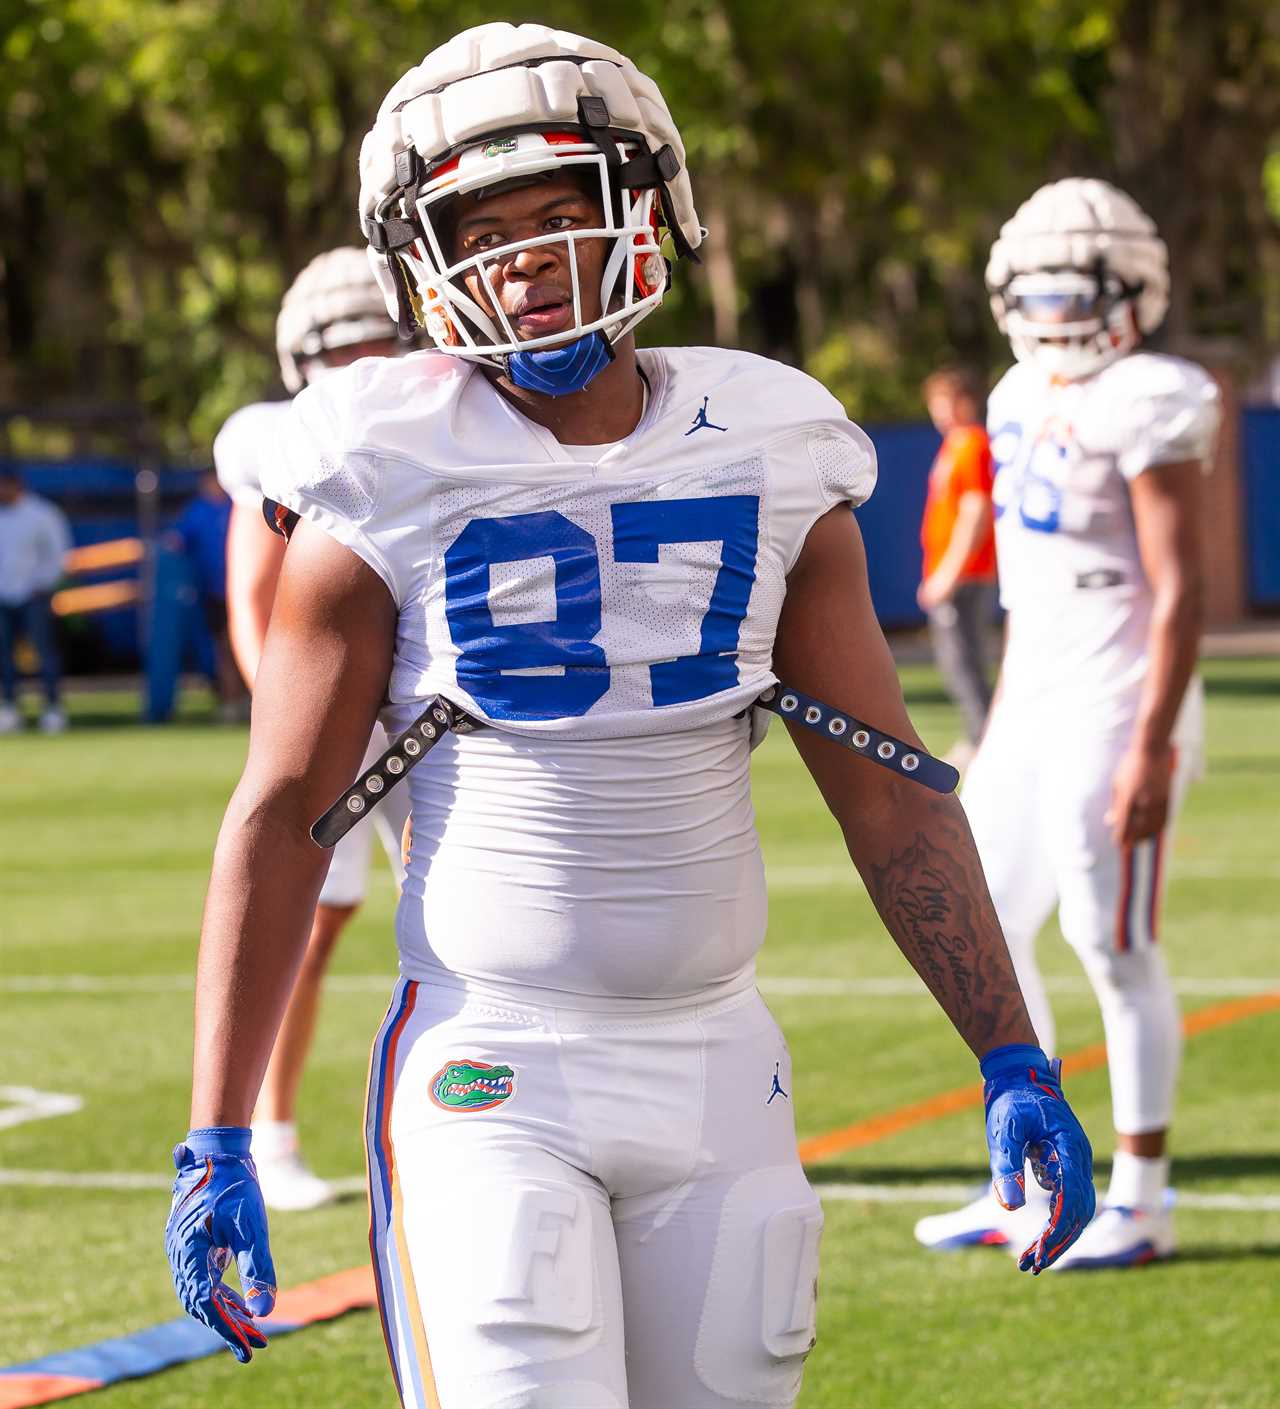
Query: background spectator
958, 587
201, 530
34, 539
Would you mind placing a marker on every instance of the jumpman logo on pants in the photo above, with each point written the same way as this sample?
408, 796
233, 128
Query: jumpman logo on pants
777, 1085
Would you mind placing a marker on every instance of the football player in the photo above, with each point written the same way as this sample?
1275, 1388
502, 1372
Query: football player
332, 314
1100, 449
583, 1173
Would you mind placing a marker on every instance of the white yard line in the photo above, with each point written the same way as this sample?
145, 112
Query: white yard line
19, 1104
842, 1192
961, 1193
119, 1180
795, 987
67, 1179
841, 874
785, 986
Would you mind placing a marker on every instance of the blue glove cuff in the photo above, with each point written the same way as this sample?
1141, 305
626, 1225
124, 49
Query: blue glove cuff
1016, 1057
214, 1140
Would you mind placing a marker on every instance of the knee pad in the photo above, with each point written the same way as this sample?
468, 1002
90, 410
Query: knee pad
759, 1317
1125, 973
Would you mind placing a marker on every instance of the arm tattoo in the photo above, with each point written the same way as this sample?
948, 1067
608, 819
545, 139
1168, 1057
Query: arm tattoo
933, 899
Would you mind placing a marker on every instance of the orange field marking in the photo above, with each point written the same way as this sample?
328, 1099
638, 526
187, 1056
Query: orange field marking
880, 1127
21, 1391
328, 1297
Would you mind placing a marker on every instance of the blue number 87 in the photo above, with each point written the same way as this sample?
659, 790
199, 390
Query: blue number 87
553, 669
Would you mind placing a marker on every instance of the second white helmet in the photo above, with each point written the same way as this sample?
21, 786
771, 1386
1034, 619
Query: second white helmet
1077, 277
334, 302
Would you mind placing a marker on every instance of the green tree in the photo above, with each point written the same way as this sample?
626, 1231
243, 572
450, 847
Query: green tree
169, 165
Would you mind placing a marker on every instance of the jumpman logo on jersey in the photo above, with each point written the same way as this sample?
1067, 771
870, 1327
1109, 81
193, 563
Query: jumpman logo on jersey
700, 422
777, 1086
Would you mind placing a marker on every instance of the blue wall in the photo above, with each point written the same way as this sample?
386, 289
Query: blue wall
1260, 468
890, 520
99, 498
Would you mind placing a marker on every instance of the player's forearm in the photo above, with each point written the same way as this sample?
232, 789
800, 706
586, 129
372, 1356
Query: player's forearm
262, 893
1173, 645
921, 868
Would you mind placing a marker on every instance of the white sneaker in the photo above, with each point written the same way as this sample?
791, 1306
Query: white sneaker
53, 721
288, 1185
985, 1223
1121, 1237
10, 719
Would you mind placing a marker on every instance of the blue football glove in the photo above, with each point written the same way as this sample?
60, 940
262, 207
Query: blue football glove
1028, 1119
217, 1211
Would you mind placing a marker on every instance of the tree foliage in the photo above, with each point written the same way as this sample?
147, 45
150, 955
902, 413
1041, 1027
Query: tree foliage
169, 165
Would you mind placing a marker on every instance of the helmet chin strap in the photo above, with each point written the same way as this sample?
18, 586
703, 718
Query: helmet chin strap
557, 371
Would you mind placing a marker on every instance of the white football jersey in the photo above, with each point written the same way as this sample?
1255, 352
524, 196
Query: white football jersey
611, 617
1071, 577
244, 446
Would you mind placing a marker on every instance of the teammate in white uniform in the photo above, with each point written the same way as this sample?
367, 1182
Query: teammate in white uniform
1100, 448
332, 314
584, 1185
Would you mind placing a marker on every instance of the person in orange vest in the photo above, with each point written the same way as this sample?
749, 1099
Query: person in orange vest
958, 584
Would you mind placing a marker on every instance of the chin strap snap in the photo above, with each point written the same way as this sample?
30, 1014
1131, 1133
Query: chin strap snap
557, 371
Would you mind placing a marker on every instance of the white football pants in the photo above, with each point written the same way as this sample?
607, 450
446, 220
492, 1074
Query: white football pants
614, 1218
1037, 797
347, 880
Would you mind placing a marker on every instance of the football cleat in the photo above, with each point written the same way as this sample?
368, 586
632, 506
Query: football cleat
10, 719
985, 1223
288, 1186
1121, 1237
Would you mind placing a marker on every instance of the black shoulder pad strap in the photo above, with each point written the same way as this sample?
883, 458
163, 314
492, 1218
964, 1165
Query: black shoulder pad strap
439, 717
852, 734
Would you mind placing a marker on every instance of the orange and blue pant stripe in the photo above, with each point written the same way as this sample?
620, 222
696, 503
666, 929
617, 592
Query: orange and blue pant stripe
402, 1326
1138, 913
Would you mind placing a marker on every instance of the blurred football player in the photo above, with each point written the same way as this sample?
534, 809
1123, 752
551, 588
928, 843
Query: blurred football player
1100, 449
332, 314
958, 585
584, 1183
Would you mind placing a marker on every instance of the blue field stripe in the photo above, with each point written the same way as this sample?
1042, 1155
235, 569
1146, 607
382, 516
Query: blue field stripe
143, 1353
176, 1342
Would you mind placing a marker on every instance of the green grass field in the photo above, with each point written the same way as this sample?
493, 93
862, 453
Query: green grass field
105, 840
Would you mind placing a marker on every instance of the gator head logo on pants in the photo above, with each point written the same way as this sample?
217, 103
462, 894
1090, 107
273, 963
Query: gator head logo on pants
467, 1085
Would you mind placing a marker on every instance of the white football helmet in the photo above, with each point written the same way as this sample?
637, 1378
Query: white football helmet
1078, 277
501, 103
334, 302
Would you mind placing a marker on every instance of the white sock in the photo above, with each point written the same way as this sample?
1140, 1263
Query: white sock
1138, 1182
273, 1139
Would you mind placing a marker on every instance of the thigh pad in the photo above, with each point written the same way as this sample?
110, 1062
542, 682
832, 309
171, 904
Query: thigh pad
759, 1316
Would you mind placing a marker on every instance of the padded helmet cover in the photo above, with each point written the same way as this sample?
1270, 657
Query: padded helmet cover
502, 79
334, 302
1075, 224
